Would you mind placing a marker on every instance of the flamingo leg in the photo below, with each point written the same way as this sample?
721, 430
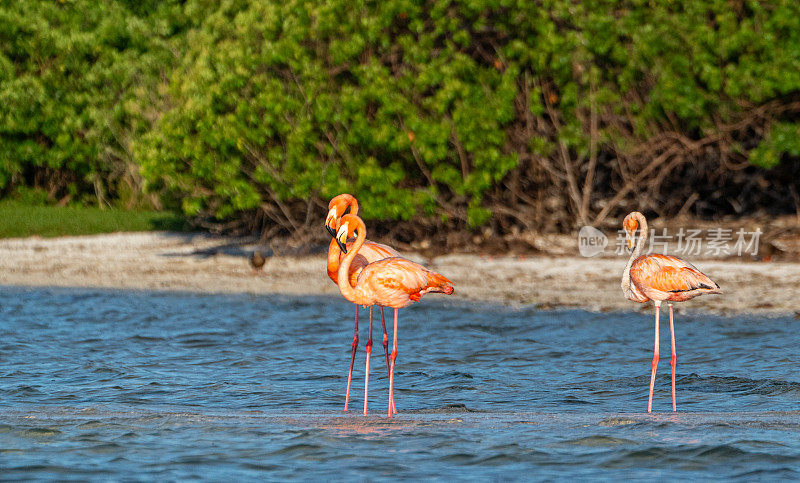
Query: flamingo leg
369, 353
674, 360
391, 370
385, 343
655, 365
386, 351
352, 359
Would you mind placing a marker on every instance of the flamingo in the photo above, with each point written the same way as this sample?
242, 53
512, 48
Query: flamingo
658, 278
370, 252
392, 282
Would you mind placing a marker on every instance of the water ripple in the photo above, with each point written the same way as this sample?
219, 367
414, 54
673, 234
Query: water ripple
108, 384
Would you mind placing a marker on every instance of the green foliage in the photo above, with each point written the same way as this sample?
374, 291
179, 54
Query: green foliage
19, 219
781, 138
418, 108
315, 98
410, 105
75, 85
30, 196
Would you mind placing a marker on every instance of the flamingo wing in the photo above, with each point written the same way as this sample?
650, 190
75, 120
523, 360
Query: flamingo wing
376, 251
395, 282
669, 274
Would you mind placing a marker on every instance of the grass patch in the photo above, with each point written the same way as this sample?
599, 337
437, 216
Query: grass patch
18, 219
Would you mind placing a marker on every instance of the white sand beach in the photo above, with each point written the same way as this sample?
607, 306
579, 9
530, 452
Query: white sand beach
208, 264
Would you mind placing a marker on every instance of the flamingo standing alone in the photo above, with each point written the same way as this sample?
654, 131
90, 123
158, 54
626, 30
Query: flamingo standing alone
658, 278
369, 252
392, 282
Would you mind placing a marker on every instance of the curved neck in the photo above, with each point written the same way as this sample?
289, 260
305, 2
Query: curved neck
334, 252
637, 250
344, 267
641, 240
353, 203
344, 201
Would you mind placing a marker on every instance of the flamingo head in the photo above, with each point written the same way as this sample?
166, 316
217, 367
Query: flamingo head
336, 208
630, 224
347, 228
331, 221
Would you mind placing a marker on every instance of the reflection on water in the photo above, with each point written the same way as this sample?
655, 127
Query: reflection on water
107, 384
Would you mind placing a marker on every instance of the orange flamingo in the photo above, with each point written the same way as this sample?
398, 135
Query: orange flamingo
370, 252
659, 277
392, 282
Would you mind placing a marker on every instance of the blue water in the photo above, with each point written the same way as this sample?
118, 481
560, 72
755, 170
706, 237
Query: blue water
114, 385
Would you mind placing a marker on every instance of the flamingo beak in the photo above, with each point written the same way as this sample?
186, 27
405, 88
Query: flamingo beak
330, 220
341, 238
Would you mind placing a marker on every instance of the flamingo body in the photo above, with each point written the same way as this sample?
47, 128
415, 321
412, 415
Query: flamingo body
396, 282
664, 277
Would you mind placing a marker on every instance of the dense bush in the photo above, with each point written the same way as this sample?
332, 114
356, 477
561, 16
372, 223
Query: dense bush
76, 84
540, 115
298, 100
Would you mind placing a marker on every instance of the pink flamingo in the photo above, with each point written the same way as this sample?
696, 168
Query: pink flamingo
369, 252
392, 282
659, 277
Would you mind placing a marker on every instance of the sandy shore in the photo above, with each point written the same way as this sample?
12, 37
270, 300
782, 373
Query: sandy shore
202, 263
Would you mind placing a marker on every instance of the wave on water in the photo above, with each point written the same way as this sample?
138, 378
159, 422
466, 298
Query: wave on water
181, 386
739, 385
696, 456
446, 409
